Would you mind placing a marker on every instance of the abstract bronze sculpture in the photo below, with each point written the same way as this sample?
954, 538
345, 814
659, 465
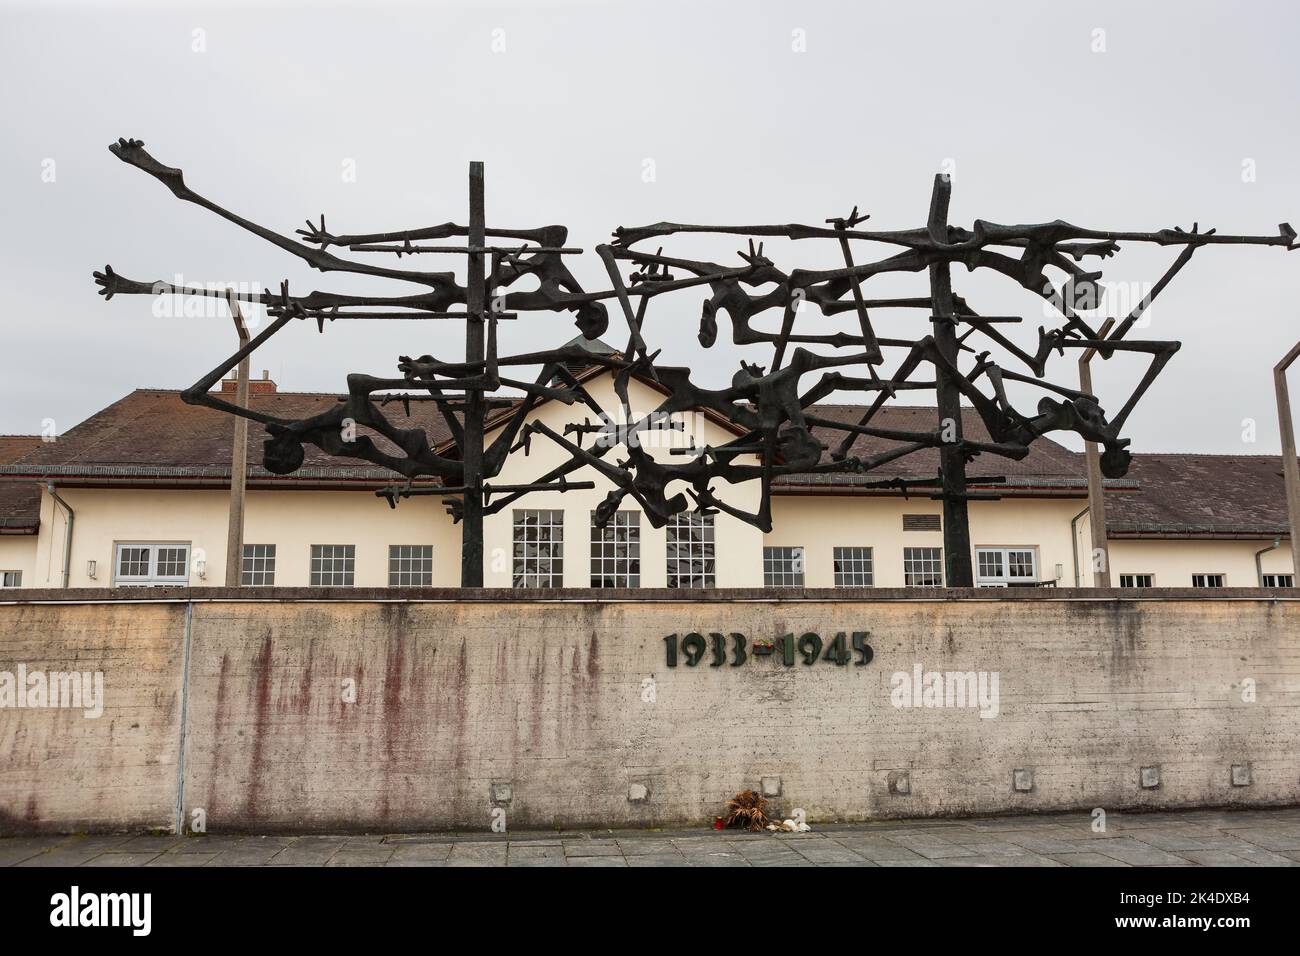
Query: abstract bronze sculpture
771, 406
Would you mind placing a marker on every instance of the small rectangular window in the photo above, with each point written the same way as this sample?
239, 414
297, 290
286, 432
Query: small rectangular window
691, 554
333, 565
151, 565
922, 523
259, 566
923, 567
616, 551
1137, 580
1207, 580
783, 567
11, 579
1279, 580
410, 565
538, 541
853, 568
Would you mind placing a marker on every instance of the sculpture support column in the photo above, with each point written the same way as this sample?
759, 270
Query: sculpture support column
956, 516
1290, 467
471, 567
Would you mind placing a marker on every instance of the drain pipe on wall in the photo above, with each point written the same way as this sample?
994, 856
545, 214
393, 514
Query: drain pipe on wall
1074, 545
67, 533
1259, 565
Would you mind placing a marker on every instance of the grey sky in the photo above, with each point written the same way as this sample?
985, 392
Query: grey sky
739, 125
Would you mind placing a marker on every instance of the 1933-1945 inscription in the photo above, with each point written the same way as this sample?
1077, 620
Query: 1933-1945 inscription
808, 647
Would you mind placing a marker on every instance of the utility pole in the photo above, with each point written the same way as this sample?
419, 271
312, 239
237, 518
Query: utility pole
238, 456
1096, 494
471, 551
956, 527
1290, 468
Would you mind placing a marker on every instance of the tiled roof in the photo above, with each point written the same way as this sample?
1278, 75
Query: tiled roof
151, 433
1190, 494
20, 503
1047, 464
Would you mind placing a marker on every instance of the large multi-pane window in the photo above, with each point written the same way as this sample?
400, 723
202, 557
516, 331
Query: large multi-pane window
538, 538
691, 554
1207, 580
1279, 581
410, 565
783, 567
1137, 580
1000, 567
259, 566
853, 568
616, 551
923, 567
333, 565
151, 565
11, 579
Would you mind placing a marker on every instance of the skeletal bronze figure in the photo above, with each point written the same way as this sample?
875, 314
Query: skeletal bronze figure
772, 406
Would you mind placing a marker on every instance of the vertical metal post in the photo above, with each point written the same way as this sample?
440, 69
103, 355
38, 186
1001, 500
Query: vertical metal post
956, 517
1290, 468
471, 549
238, 457
1096, 496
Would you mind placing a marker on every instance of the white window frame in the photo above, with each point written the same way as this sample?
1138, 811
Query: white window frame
542, 531
6, 581
348, 571
1206, 575
621, 532
1275, 577
1005, 578
410, 561
910, 556
853, 561
254, 564
1134, 575
783, 566
695, 558
151, 578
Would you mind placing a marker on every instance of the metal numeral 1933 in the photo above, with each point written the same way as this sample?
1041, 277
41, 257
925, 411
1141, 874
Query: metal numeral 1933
808, 647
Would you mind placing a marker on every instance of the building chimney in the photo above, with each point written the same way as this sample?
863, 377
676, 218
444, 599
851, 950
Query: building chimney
256, 386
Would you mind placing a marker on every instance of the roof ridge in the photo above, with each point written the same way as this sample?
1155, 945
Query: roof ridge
1204, 454
252, 381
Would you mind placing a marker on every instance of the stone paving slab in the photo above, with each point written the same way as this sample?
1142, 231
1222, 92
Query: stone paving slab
1217, 838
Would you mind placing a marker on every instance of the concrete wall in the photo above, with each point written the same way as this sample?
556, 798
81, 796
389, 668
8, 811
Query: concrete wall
566, 700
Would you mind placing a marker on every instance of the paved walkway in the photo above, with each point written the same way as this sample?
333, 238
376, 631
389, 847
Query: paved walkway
1193, 838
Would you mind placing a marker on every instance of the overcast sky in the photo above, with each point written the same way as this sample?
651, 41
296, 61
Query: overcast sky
1117, 116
